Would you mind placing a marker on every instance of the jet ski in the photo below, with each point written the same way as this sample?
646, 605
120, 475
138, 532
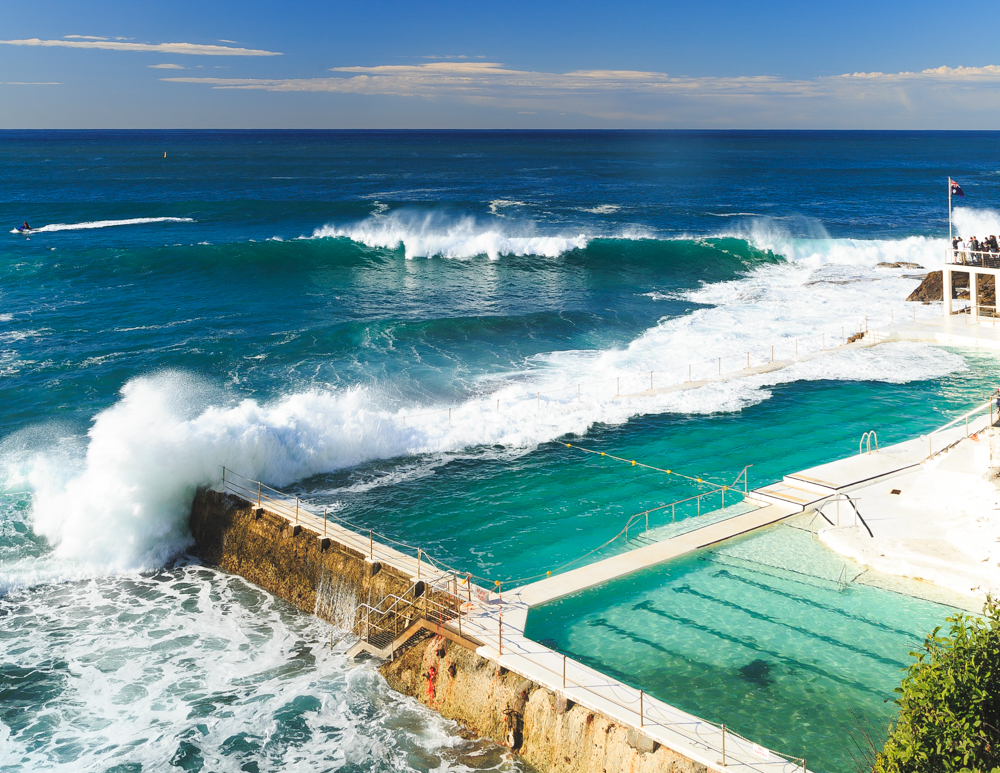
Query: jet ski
22, 229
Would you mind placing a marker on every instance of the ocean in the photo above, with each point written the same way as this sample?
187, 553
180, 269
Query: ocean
406, 328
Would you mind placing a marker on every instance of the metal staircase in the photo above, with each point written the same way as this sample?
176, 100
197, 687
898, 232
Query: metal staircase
397, 623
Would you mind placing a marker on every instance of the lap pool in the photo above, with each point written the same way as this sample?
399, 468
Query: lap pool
772, 634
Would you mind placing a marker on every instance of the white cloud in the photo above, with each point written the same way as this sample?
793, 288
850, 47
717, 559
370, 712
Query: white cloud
84, 37
162, 48
166, 67
924, 99
32, 83
223, 40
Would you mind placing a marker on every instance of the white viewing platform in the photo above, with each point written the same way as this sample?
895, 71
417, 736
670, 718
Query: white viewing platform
975, 264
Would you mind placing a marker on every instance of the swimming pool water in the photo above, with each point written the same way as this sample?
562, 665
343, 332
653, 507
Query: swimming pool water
771, 634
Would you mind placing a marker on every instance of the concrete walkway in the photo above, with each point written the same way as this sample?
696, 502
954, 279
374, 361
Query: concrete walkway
642, 558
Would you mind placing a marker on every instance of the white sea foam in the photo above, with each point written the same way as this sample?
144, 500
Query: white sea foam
105, 224
602, 209
976, 222
816, 248
424, 235
200, 665
497, 204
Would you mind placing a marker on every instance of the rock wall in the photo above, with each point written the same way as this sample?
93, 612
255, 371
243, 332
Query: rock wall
318, 576
549, 732
932, 288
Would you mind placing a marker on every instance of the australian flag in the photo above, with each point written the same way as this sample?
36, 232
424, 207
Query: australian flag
956, 189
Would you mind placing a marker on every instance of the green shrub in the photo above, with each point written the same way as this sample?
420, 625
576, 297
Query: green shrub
949, 702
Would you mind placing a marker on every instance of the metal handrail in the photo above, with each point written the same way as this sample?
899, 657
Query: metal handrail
645, 714
980, 258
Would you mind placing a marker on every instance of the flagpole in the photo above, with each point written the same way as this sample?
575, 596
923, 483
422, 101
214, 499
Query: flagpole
949, 210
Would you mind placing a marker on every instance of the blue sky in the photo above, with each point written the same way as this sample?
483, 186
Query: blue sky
709, 64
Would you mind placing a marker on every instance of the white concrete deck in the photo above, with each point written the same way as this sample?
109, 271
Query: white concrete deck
954, 330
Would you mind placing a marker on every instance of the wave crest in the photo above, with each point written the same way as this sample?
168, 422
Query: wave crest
434, 235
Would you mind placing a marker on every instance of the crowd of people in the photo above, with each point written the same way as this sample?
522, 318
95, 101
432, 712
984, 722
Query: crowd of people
964, 249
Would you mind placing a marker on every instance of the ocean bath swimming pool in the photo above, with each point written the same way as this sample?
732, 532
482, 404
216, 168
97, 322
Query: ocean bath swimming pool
771, 634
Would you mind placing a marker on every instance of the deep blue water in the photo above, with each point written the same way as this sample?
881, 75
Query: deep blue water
306, 307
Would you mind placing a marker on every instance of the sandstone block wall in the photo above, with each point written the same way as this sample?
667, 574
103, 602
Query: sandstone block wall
548, 731
321, 577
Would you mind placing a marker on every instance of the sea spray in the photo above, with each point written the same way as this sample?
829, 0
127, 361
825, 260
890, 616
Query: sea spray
423, 235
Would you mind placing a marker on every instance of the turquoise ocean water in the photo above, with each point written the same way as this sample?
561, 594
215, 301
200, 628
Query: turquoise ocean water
305, 308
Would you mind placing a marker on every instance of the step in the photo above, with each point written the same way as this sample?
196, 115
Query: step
822, 487
783, 493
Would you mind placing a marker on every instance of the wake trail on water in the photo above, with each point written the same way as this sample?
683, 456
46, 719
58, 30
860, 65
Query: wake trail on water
118, 500
105, 224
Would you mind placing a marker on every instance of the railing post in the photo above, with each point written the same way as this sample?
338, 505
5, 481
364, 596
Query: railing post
418, 563
258, 493
324, 521
641, 712
564, 672
296, 510
699, 504
371, 546
223, 479
723, 745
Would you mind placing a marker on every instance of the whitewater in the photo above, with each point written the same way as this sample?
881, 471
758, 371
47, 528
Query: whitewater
407, 339
90, 491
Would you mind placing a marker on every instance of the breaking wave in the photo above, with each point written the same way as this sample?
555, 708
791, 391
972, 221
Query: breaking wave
431, 235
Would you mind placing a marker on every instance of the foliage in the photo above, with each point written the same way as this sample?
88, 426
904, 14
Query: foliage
949, 702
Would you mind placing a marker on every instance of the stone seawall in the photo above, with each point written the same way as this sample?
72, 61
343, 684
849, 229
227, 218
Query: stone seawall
545, 729
318, 576
328, 579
